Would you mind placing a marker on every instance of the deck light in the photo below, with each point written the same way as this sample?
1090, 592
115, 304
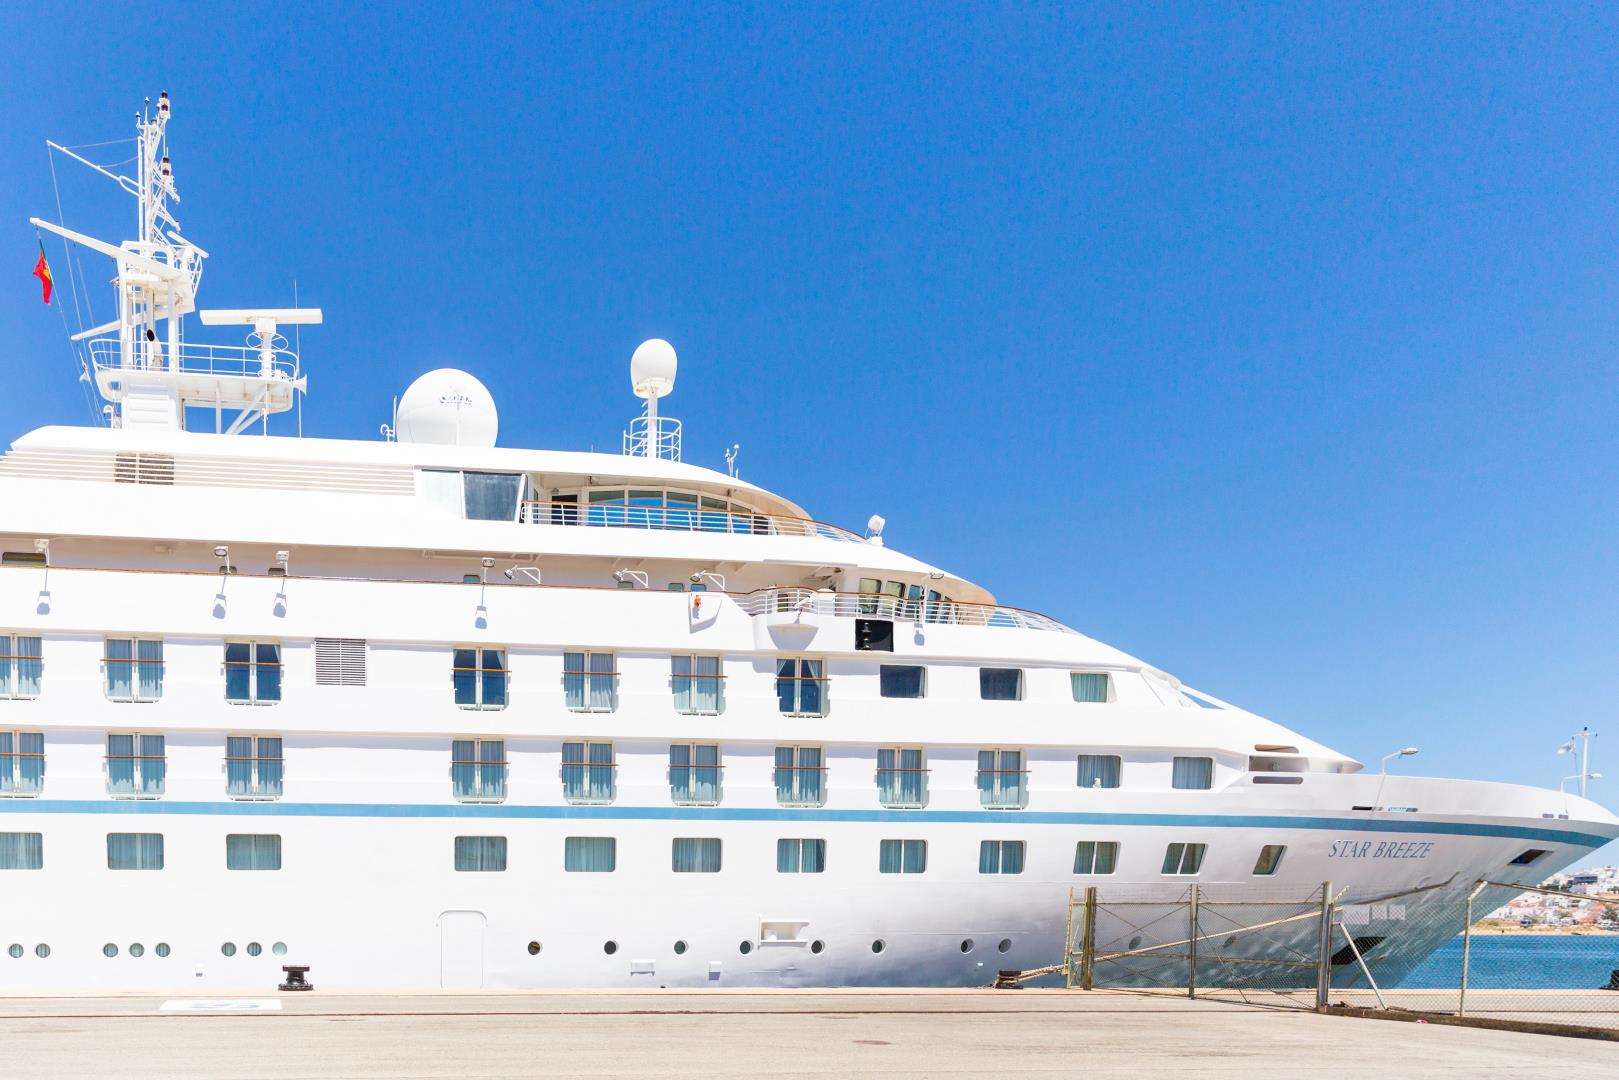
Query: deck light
1409, 751
221, 552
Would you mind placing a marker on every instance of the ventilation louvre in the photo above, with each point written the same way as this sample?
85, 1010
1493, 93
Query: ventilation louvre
339, 662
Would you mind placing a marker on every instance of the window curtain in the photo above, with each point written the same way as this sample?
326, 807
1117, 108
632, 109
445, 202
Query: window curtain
27, 665
603, 683
689, 855
694, 773
900, 779
480, 853
989, 857
786, 688
491, 496
587, 771
121, 764
786, 790
120, 669
1000, 684
590, 854
149, 669
22, 762
1194, 772
706, 691
153, 765
1095, 857
239, 765
22, 851
1011, 856
269, 765
800, 856
1098, 771
492, 769
680, 670
134, 851
493, 677
811, 695
1089, 686
1000, 778
890, 857
253, 851
902, 857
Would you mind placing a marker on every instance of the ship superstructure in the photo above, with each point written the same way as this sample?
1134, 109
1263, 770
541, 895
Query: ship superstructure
422, 711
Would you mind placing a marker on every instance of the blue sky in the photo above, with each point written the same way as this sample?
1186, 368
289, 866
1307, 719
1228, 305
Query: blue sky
1274, 345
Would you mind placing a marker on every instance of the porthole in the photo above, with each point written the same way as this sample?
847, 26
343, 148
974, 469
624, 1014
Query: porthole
534, 948
229, 948
745, 948
680, 948
1135, 942
254, 948
15, 951
42, 951
109, 950
817, 946
1006, 943
610, 948
137, 949
879, 945
162, 948
279, 948
966, 945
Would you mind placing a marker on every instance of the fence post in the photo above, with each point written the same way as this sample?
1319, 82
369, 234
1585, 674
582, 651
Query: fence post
1191, 950
1467, 950
1087, 955
1068, 946
1323, 966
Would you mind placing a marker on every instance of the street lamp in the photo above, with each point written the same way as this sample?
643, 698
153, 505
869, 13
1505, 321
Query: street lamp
1409, 751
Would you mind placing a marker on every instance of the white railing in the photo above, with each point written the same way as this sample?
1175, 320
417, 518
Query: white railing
654, 437
241, 361
884, 606
677, 519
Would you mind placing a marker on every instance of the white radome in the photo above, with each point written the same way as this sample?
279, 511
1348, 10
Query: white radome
652, 368
450, 407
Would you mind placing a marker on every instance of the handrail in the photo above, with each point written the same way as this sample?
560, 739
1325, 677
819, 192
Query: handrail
885, 606
189, 358
679, 519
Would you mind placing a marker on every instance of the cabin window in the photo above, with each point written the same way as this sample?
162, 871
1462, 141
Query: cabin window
1089, 686
137, 765
480, 854
1000, 778
1194, 773
1000, 684
1270, 860
253, 851
1183, 858
902, 857
587, 772
1096, 857
253, 766
696, 682
1000, 857
801, 686
1530, 857
1099, 770
694, 774
478, 770
252, 672
902, 680
902, 777
23, 558
800, 856
475, 496
22, 851
22, 762
134, 669
479, 676
134, 851
589, 681
695, 855
590, 854
21, 666
800, 776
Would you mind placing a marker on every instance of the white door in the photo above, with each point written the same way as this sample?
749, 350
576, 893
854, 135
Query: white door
460, 936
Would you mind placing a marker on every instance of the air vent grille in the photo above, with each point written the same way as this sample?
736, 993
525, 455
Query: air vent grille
339, 662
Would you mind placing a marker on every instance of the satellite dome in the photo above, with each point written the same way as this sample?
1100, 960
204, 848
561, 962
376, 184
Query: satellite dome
652, 368
449, 407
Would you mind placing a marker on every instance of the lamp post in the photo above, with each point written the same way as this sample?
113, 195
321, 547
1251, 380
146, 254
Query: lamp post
1409, 751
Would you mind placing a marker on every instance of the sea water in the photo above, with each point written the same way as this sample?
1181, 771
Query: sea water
1521, 962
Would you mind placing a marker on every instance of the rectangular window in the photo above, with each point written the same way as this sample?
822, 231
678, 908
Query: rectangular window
589, 681
695, 855
1183, 858
694, 774
1096, 857
1099, 770
134, 669
252, 672
800, 776
253, 851
1269, 861
22, 762
696, 682
478, 769
801, 686
1089, 686
902, 777
1000, 684
134, 851
479, 677
22, 851
590, 854
137, 766
1000, 857
491, 496
902, 857
480, 854
587, 772
1529, 857
1194, 773
800, 856
21, 666
339, 661
902, 680
253, 766
1000, 778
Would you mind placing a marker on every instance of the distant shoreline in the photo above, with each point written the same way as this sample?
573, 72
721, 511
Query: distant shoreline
1500, 928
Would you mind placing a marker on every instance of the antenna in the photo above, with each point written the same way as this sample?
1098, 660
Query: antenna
730, 459
652, 376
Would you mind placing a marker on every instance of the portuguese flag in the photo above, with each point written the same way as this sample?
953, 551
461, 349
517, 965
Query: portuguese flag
42, 270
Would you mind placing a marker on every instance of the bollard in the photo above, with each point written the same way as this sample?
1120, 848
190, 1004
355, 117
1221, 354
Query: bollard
295, 977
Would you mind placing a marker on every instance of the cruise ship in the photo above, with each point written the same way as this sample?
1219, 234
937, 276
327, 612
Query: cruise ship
420, 711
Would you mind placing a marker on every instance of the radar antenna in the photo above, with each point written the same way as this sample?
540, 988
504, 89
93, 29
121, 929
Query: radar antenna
652, 376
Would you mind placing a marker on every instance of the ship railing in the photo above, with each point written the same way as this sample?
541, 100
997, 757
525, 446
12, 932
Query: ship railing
241, 361
859, 605
678, 519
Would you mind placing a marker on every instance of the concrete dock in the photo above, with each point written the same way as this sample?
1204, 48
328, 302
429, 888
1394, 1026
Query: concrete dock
776, 1034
